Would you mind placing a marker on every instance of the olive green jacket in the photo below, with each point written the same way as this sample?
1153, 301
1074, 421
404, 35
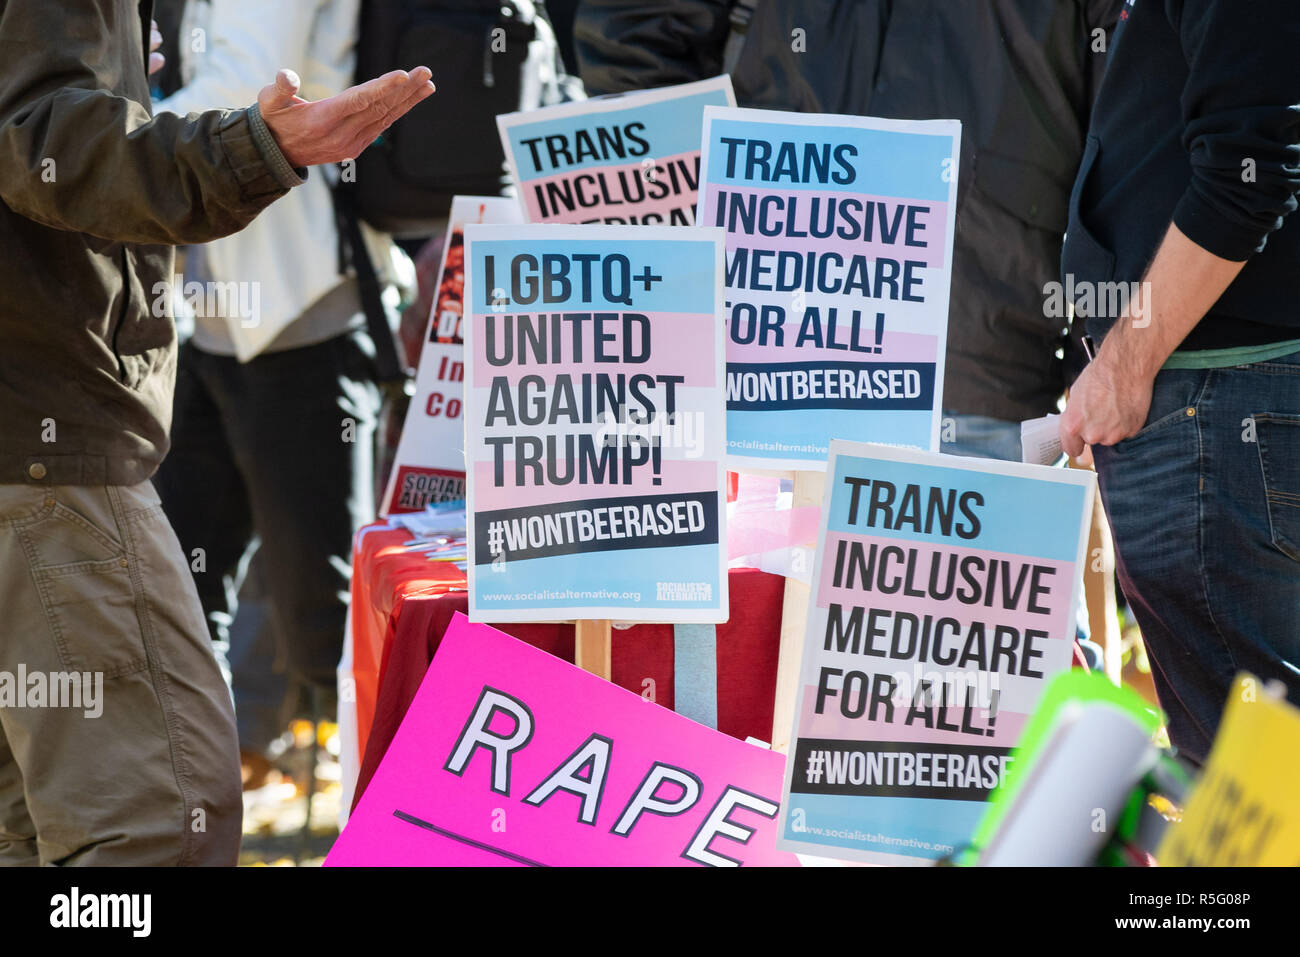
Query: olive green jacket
94, 193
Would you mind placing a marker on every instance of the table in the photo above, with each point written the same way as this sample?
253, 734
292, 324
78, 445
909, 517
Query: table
402, 604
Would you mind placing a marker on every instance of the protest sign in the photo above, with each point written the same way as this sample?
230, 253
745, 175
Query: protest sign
595, 424
429, 466
839, 257
511, 757
630, 158
943, 600
1245, 811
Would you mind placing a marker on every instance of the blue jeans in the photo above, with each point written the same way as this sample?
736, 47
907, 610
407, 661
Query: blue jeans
1204, 503
978, 436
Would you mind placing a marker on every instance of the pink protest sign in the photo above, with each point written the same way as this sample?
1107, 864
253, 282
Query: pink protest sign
510, 757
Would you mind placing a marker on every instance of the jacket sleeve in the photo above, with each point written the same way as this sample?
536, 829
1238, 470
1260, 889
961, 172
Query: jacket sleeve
641, 44
1241, 113
79, 157
248, 41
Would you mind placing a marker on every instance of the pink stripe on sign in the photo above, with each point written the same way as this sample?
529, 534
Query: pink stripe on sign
895, 346
752, 533
1056, 600
756, 492
678, 477
645, 191
793, 211
696, 362
832, 723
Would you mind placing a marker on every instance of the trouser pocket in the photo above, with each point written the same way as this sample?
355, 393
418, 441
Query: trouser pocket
1277, 438
82, 571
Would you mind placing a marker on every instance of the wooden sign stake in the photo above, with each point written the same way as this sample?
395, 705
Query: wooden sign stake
593, 646
809, 489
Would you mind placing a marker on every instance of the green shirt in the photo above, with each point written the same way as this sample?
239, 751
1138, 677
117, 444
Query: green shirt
1226, 358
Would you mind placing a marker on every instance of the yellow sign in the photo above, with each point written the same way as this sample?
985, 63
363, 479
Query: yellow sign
1245, 812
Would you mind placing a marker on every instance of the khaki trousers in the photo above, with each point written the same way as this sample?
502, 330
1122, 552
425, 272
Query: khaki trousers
95, 592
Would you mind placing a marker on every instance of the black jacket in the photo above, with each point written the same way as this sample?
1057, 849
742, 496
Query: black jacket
1198, 123
1020, 75
93, 196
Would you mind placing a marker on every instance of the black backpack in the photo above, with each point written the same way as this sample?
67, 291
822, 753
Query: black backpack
487, 57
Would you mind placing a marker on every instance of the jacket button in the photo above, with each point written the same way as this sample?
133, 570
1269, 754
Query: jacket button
36, 470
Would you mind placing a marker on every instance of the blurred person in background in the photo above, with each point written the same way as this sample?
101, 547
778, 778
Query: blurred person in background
273, 435
95, 194
1020, 75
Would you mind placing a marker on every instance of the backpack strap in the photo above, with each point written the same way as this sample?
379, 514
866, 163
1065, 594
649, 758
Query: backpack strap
742, 13
393, 375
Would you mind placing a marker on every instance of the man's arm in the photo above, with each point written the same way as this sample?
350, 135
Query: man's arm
1241, 108
78, 157
1110, 400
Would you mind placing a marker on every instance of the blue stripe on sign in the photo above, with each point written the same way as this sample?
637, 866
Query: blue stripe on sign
669, 126
695, 673
1018, 515
688, 263
885, 162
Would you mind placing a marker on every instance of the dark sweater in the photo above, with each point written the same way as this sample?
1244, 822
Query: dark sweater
1198, 123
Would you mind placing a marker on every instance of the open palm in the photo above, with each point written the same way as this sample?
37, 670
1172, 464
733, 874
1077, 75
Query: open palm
340, 127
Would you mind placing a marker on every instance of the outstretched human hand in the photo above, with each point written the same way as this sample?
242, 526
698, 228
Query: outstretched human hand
340, 127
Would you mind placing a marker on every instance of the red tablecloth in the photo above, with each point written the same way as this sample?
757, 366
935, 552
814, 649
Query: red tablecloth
402, 604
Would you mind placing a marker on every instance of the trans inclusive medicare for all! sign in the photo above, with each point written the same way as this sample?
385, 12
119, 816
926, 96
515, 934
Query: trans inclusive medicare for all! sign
944, 591
626, 159
594, 423
839, 259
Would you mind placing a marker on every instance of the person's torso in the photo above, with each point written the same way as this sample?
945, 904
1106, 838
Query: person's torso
284, 289
87, 343
1136, 169
1019, 75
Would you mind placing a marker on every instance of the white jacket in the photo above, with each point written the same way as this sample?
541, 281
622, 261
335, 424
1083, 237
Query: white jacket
230, 49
